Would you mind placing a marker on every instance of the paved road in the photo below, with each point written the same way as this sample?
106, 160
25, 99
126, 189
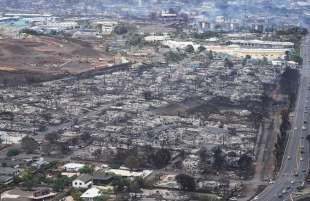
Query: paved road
295, 164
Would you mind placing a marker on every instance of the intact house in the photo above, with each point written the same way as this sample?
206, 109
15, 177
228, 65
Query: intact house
94, 192
73, 167
91, 194
100, 178
84, 181
7, 175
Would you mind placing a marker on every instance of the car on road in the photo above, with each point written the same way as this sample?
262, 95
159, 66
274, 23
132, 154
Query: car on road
303, 128
304, 170
288, 157
296, 174
292, 182
301, 159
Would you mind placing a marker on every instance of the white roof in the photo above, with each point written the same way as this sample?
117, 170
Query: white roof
262, 42
214, 39
9, 196
28, 14
106, 22
292, 62
91, 193
73, 165
168, 14
127, 173
151, 38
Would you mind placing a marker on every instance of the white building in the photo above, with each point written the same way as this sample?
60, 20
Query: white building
106, 27
220, 19
128, 173
84, 181
155, 38
73, 167
262, 44
12, 138
63, 25
91, 194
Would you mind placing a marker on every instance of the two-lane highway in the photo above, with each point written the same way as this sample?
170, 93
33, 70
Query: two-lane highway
295, 163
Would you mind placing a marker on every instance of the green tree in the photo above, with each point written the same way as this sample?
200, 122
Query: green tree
85, 137
29, 145
294, 56
147, 95
264, 62
76, 195
245, 60
136, 184
102, 198
133, 162
52, 137
120, 184
205, 35
135, 40
160, 158
29, 31
87, 169
60, 183
172, 56
228, 63
245, 162
210, 55
12, 152
29, 180
63, 147
219, 158
289, 84
308, 138
201, 48
189, 49
186, 182
121, 29
203, 153
97, 153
